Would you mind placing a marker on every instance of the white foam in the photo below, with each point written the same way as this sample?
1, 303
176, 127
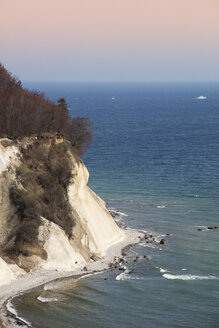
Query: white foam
144, 231
203, 228
46, 299
163, 270
125, 276
10, 307
50, 287
58, 284
117, 212
157, 239
89, 274
121, 276
123, 266
187, 277
12, 310
147, 245
161, 206
122, 214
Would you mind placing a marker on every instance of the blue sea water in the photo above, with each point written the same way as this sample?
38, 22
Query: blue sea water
154, 157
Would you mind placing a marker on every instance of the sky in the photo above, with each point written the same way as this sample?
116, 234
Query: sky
110, 40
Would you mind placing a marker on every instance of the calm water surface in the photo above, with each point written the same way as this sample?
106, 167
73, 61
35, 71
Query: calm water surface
154, 157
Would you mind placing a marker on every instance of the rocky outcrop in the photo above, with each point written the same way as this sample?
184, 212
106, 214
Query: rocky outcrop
93, 232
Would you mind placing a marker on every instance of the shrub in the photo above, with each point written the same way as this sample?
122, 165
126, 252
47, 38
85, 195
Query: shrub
44, 175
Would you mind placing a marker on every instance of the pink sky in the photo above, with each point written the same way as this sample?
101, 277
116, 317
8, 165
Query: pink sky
111, 39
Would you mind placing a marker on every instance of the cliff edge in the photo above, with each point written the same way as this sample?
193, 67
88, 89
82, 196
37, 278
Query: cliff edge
49, 218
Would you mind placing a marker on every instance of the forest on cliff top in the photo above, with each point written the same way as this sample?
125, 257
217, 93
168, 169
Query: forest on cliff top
45, 166
25, 113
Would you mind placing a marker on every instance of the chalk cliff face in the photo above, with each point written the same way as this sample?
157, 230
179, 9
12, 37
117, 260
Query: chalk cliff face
101, 229
93, 232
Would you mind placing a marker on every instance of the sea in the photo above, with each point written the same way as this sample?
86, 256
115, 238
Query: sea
155, 160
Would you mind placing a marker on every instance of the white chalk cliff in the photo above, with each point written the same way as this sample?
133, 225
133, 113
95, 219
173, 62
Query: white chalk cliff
94, 230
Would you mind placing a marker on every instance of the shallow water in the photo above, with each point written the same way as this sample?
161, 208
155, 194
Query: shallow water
155, 157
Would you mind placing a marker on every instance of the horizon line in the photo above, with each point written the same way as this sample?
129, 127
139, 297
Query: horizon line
113, 81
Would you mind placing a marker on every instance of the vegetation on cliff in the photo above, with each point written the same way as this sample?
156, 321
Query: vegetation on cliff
25, 113
41, 191
45, 163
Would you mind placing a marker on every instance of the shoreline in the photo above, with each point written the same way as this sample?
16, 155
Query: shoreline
37, 279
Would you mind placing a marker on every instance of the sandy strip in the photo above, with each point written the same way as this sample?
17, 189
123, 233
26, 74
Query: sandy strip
38, 278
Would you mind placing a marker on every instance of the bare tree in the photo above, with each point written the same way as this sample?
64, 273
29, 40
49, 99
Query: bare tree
81, 134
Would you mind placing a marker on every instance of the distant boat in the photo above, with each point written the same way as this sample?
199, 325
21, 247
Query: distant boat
201, 97
113, 98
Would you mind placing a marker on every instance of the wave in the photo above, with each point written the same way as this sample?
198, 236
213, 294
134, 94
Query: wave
121, 276
144, 231
50, 286
163, 270
122, 214
187, 277
149, 245
193, 196
59, 284
161, 206
121, 200
204, 228
115, 212
125, 276
12, 310
46, 299
90, 274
